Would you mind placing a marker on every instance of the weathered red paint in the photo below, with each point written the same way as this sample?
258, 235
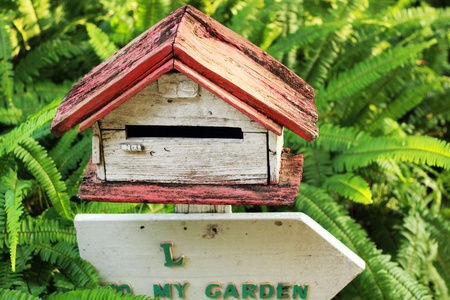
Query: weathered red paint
211, 54
283, 193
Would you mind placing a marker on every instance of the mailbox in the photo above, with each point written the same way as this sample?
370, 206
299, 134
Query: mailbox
190, 112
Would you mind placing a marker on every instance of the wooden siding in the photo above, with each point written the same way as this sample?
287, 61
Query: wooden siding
182, 160
283, 193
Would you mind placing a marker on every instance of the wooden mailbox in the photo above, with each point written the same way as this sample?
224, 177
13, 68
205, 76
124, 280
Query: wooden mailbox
190, 112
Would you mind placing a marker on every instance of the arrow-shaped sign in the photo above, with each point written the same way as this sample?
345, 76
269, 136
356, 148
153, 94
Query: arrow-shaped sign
217, 256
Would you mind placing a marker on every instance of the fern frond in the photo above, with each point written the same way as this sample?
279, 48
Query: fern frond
368, 71
36, 126
105, 207
10, 116
74, 180
14, 209
417, 149
149, 13
45, 231
242, 12
402, 104
382, 279
63, 145
96, 294
66, 256
6, 66
303, 36
316, 167
351, 186
46, 54
16, 295
412, 251
43, 168
70, 159
103, 47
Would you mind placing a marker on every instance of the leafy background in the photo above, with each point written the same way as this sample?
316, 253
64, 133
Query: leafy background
378, 177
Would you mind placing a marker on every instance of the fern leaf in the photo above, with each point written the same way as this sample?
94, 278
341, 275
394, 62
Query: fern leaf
317, 166
74, 180
351, 186
43, 168
241, 14
103, 47
66, 256
105, 208
417, 149
303, 36
382, 279
97, 294
36, 126
10, 116
368, 71
45, 231
403, 103
6, 67
63, 145
412, 251
70, 159
16, 295
149, 13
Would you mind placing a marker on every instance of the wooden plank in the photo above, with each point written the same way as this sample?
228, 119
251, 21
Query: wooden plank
149, 107
101, 163
185, 160
109, 107
222, 33
198, 46
197, 209
283, 193
275, 148
244, 108
117, 74
281, 249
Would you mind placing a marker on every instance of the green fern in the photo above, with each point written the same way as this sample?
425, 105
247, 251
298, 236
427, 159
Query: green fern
417, 149
43, 168
351, 186
368, 71
66, 256
73, 156
316, 166
382, 279
45, 231
14, 209
96, 294
149, 13
10, 116
103, 47
36, 126
16, 295
6, 67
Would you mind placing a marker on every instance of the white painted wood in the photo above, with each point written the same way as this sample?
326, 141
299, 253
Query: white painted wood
195, 209
95, 149
275, 146
149, 107
277, 248
180, 160
177, 85
98, 157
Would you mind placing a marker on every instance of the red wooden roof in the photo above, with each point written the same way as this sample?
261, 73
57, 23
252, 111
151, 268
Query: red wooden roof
212, 55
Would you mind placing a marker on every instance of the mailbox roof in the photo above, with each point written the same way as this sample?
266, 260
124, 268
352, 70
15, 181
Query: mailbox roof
210, 54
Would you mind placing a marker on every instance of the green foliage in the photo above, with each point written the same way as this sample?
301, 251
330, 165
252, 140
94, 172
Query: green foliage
377, 177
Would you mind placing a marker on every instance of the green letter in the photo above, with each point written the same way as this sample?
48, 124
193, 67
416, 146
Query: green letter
231, 291
127, 287
158, 292
299, 291
208, 290
262, 288
282, 291
167, 246
248, 289
180, 288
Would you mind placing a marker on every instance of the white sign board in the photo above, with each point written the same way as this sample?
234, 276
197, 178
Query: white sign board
217, 256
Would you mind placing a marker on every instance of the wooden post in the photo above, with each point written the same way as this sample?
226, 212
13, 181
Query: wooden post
193, 209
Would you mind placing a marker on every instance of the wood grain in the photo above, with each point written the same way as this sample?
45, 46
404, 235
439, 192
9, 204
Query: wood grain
283, 193
101, 163
184, 160
274, 148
